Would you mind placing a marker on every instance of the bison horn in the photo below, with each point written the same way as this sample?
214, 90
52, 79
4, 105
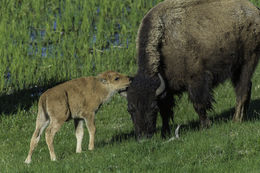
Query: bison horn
161, 88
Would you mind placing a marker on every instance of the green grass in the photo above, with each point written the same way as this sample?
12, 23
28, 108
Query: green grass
42, 42
225, 147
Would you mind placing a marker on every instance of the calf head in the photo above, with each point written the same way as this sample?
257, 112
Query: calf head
114, 81
142, 96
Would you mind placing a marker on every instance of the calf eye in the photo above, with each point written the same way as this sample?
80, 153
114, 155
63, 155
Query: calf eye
117, 78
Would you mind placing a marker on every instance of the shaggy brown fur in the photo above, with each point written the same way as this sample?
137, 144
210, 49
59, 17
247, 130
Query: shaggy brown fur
78, 99
195, 45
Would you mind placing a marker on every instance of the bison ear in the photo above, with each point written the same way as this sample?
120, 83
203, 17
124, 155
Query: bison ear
163, 95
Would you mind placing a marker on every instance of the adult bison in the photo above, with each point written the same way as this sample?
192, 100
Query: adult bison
192, 45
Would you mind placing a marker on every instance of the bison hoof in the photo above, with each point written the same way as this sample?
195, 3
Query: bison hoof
166, 133
235, 120
238, 117
205, 124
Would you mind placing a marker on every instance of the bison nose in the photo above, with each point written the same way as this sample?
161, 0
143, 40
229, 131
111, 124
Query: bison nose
150, 135
144, 138
130, 78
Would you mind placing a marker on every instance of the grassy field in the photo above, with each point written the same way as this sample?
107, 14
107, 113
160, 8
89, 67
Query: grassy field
225, 147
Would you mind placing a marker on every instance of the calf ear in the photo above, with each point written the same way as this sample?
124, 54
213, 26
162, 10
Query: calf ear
102, 80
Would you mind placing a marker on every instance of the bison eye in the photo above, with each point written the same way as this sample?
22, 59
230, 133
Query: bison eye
130, 108
117, 78
154, 105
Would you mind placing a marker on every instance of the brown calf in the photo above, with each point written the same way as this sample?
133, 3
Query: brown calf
78, 99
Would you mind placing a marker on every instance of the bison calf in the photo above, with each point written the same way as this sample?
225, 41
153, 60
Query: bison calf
78, 99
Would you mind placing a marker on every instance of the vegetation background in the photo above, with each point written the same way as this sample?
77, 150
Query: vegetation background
45, 42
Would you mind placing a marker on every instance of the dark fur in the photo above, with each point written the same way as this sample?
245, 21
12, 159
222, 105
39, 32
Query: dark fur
195, 45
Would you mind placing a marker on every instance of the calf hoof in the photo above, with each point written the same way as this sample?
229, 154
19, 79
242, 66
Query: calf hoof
27, 161
78, 151
90, 148
53, 159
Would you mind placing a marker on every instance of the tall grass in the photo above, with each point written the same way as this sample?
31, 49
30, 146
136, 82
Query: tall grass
48, 41
45, 41
256, 2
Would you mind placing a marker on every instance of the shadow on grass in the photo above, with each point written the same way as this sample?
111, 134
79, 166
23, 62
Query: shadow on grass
23, 99
10, 104
253, 115
118, 138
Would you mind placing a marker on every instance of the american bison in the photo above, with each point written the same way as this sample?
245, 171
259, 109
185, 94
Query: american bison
192, 45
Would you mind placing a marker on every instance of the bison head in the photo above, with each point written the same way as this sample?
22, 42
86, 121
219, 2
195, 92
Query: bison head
142, 96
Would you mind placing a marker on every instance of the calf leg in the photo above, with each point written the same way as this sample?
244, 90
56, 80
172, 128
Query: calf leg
200, 93
41, 124
90, 123
241, 80
79, 133
166, 110
52, 129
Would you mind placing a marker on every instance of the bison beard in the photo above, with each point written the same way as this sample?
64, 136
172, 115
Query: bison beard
194, 45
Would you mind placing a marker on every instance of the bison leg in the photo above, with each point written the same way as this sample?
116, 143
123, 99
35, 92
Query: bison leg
202, 112
166, 110
242, 102
200, 93
241, 80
